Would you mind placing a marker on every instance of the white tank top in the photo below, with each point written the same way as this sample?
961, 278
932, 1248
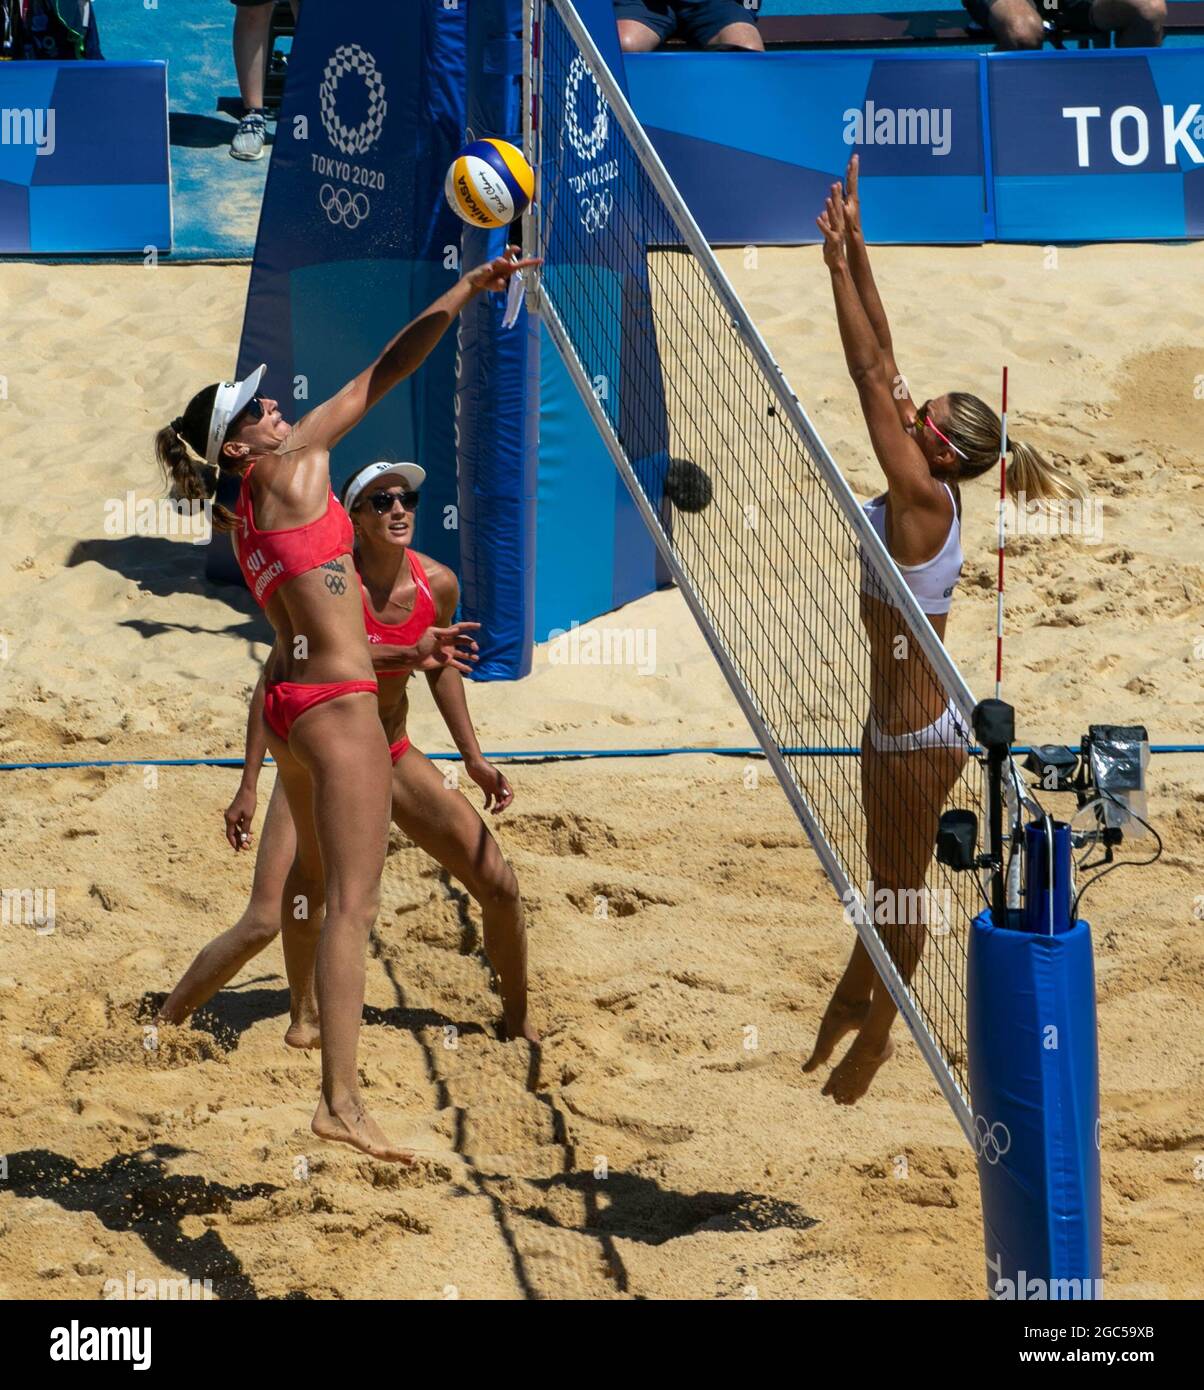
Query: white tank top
934, 581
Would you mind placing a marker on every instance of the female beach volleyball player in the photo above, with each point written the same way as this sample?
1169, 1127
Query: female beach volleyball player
913, 747
403, 594
294, 542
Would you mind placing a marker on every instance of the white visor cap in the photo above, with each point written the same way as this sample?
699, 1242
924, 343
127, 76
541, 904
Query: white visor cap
232, 398
410, 474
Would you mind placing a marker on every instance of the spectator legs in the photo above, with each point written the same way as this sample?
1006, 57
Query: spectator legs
739, 36
1138, 23
635, 37
1016, 24
251, 25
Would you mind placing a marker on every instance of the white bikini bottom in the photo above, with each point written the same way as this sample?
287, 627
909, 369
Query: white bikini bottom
946, 731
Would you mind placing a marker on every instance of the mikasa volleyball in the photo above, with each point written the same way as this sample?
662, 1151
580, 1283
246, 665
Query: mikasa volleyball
489, 183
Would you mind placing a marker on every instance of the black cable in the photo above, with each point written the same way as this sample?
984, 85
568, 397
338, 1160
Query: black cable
1120, 863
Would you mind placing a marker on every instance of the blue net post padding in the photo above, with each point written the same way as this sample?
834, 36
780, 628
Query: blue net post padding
497, 387
1034, 1089
587, 205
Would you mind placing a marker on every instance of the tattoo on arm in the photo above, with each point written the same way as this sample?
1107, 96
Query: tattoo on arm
333, 582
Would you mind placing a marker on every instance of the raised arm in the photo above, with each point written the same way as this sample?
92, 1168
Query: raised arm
327, 423
863, 279
906, 469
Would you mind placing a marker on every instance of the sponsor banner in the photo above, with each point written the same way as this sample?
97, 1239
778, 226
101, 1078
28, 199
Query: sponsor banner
754, 142
1083, 145
84, 158
1104, 145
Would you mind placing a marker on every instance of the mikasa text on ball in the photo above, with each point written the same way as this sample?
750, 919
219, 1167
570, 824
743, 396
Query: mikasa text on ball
489, 183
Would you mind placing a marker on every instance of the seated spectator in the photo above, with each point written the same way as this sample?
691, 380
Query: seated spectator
646, 24
54, 29
252, 25
1022, 23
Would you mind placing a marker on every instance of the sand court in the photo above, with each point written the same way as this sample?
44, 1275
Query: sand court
683, 939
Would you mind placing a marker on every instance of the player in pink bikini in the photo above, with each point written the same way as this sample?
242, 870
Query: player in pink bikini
403, 595
294, 542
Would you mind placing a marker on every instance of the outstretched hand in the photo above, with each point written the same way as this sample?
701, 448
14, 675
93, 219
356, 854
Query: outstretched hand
831, 222
448, 646
852, 197
495, 274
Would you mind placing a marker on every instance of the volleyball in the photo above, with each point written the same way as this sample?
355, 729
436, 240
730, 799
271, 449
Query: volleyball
489, 183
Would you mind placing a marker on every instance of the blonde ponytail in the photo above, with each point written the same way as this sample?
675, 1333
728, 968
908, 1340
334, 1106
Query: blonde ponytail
976, 429
1030, 475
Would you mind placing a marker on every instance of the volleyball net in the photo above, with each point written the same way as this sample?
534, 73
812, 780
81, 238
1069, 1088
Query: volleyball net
757, 526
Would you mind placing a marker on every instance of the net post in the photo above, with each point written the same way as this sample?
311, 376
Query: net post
995, 729
531, 231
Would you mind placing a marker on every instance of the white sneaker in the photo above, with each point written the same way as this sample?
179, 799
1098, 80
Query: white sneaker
249, 137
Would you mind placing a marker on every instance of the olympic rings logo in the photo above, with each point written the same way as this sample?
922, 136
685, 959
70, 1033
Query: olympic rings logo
596, 209
340, 205
352, 139
587, 145
991, 1141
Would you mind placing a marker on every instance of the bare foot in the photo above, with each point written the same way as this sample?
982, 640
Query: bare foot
842, 1016
851, 1077
304, 1033
525, 1030
357, 1128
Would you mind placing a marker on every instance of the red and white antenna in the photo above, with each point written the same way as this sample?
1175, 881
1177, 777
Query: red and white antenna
1003, 448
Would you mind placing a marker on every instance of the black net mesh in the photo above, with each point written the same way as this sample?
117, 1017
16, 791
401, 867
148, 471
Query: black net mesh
756, 531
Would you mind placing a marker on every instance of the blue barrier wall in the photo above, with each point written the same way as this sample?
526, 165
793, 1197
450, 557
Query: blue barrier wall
1098, 146
86, 170
954, 148
754, 142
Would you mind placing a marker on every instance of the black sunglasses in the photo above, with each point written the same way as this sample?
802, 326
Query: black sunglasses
253, 411
382, 502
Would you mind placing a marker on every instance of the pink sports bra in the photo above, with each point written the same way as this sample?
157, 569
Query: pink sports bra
403, 634
269, 558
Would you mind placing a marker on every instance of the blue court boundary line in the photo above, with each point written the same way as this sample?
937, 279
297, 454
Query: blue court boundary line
543, 755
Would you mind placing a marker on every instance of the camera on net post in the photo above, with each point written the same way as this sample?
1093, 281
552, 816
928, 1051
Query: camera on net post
1107, 776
